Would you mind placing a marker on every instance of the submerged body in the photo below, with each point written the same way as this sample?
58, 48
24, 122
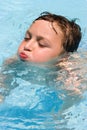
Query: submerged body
35, 95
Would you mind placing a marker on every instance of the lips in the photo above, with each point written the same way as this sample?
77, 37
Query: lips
23, 55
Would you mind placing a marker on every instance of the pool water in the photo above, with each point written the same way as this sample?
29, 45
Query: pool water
41, 97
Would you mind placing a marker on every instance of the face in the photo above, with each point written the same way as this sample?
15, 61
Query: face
41, 43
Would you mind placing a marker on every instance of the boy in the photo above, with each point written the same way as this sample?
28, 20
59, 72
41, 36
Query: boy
48, 37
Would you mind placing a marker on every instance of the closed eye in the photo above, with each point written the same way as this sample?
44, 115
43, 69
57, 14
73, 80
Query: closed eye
43, 45
26, 38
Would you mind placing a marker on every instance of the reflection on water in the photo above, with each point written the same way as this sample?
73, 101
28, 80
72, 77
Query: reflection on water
33, 96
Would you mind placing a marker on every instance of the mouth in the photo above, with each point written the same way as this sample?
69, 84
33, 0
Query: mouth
23, 55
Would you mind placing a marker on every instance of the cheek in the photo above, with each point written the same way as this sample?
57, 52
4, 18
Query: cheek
40, 57
21, 46
42, 54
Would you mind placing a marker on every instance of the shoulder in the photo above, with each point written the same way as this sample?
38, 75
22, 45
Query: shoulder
11, 59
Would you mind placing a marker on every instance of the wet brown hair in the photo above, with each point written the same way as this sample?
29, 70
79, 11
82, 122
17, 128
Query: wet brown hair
71, 31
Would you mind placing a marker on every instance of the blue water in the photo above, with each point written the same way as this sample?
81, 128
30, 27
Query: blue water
41, 97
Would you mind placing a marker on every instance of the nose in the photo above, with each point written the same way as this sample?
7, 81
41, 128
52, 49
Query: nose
29, 45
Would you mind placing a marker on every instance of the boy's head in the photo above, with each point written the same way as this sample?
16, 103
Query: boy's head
49, 36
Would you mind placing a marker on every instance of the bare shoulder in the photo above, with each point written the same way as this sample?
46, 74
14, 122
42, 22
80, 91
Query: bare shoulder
11, 59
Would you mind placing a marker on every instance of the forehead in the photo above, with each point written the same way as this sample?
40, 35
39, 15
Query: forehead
41, 25
46, 28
